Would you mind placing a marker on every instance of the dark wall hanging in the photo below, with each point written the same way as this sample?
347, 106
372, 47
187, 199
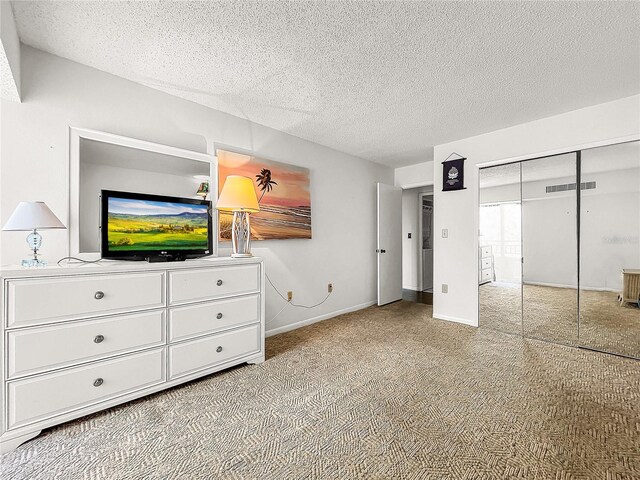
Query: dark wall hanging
453, 173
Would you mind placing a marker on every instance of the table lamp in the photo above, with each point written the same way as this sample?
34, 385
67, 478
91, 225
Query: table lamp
31, 216
238, 195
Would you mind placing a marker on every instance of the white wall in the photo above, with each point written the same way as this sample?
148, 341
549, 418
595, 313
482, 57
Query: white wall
456, 259
58, 93
414, 175
411, 247
9, 54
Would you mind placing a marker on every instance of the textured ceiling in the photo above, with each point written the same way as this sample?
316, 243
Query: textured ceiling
383, 81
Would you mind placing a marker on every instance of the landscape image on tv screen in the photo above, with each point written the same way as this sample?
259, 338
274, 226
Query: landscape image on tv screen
151, 225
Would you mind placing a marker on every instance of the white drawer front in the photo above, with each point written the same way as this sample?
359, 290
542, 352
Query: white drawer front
206, 352
40, 397
486, 263
485, 275
54, 299
45, 348
192, 320
209, 283
485, 252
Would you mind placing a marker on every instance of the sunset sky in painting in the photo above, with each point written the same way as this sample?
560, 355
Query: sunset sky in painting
293, 182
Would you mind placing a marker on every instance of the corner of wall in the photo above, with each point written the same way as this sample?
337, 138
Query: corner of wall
9, 55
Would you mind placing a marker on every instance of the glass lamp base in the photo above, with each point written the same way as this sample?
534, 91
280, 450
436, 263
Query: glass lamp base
33, 263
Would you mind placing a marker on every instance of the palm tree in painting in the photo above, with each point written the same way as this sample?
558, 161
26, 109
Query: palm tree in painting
264, 182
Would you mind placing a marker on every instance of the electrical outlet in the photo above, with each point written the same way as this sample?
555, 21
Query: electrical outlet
445, 288
289, 296
330, 287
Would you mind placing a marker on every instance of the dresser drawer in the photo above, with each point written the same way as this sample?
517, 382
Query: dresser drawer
39, 349
32, 302
189, 357
485, 275
192, 320
485, 263
37, 398
208, 283
485, 252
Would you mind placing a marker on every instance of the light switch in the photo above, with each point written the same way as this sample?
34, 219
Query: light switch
445, 233
409, 235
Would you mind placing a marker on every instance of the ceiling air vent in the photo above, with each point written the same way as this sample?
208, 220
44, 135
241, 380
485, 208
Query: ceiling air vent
565, 187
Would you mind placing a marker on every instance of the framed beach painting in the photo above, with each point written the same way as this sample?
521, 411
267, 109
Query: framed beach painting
283, 195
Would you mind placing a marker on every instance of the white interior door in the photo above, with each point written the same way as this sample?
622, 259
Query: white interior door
389, 246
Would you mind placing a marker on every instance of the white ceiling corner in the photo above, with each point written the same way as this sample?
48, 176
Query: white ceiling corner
384, 81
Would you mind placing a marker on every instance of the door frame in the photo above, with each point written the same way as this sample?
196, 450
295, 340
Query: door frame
430, 183
421, 195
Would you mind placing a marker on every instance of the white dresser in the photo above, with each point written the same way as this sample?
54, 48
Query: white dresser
83, 338
485, 265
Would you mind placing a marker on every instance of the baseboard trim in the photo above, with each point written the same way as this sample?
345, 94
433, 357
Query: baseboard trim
319, 318
449, 318
558, 285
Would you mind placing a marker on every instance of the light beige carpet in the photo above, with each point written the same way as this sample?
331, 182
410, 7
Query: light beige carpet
551, 314
383, 393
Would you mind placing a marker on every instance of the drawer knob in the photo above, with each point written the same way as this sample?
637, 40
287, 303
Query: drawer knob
97, 382
98, 295
99, 339
219, 316
219, 282
219, 349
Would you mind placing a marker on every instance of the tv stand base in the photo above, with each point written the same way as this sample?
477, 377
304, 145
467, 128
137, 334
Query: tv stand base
165, 258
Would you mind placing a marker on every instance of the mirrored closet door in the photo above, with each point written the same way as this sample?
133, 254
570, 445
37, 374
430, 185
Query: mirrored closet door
573, 221
610, 249
499, 253
549, 249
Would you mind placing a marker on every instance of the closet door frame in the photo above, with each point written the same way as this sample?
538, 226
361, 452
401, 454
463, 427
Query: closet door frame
577, 150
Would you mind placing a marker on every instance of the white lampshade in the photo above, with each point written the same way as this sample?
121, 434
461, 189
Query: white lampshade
238, 195
32, 215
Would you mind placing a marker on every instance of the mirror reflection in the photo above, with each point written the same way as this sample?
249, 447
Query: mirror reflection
549, 249
499, 253
559, 248
610, 249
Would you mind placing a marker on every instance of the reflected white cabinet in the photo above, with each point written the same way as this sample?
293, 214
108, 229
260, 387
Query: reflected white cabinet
80, 339
485, 265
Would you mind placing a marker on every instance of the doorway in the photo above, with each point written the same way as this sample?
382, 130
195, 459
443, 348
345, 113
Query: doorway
417, 244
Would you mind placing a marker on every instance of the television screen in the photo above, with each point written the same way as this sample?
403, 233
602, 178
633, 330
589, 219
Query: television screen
140, 225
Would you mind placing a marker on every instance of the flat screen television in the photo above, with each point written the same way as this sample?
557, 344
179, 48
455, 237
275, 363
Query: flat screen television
138, 226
